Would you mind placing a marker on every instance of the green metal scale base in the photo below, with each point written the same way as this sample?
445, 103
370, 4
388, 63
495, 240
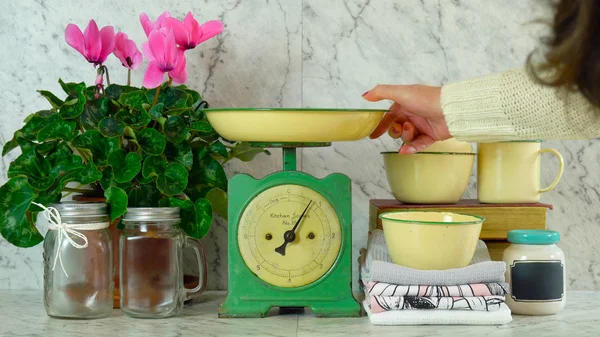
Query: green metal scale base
290, 242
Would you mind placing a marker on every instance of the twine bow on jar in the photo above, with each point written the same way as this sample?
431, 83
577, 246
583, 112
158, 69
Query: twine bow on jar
64, 229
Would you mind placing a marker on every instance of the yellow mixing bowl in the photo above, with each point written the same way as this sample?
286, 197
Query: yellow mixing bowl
431, 240
293, 125
428, 177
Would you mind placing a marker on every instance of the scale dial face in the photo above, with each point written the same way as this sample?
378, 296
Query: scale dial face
262, 233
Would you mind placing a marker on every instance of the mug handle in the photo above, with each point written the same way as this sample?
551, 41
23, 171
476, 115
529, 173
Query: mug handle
561, 168
196, 245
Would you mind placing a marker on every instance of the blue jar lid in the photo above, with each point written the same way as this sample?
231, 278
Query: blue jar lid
533, 237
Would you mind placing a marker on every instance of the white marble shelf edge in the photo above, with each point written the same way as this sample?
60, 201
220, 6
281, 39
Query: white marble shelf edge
22, 314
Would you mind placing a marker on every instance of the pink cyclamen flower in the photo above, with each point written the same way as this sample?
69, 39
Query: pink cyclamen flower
163, 57
190, 33
127, 52
95, 45
149, 26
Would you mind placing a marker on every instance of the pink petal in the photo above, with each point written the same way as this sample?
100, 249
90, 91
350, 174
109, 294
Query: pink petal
153, 76
179, 74
147, 52
120, 51
171, 51
74, 38
147, 25
136, 60
156, 42
134, 55
210, 29
92, 42
189, 22
182, 36
107, 36
161, 19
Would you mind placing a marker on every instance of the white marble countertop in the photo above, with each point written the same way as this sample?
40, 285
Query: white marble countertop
22, 314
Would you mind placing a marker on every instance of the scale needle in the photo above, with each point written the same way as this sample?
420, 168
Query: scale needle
290, 236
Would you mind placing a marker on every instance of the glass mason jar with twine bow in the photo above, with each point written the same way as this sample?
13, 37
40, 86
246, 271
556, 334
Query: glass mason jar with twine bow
78, 265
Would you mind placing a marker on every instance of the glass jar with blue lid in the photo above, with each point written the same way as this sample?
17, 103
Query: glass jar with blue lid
535, 271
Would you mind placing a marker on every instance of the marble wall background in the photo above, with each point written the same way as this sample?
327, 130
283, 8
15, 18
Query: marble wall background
310, 53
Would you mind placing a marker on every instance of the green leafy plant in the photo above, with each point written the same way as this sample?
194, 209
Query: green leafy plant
134, 146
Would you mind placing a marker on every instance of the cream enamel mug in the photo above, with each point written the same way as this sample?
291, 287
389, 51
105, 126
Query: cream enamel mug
509, 172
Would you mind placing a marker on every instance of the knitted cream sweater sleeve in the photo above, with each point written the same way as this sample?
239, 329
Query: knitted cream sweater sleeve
511, 106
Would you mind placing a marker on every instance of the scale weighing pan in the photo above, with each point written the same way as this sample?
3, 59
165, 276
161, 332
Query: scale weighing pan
293, 125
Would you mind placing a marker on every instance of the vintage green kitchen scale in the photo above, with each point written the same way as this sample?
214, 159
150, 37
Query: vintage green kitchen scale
289, 233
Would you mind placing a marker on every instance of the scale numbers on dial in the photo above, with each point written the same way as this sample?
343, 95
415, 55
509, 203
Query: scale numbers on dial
317, 237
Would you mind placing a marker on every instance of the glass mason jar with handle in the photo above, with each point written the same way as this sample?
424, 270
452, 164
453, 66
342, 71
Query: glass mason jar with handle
78, 265
151, 260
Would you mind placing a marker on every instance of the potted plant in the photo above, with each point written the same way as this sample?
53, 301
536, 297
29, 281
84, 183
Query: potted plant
130, 146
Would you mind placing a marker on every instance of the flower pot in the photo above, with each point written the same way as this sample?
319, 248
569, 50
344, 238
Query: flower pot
190, 281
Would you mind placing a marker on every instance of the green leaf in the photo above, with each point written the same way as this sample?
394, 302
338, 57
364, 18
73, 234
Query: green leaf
219, 149
62, 159
181, 153
47, 197
172, 98
34, 125
156, 111
111, 127
144, 196
46, 113
151, 141
174, 180
99, 145
134, 118
53, 100
117, 199
154, 166
93, 112
125, 165
45, 148
108, 180
246, 153
89, 174
218, 199
11, 144
204, 218
202, 127
175, 129
75, 101
36, 168
134, 99
178, 112
71, 87
15, 198
58, 129
193, 98
210, 171
114, 91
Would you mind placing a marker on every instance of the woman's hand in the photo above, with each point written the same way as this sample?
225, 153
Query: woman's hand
416, 115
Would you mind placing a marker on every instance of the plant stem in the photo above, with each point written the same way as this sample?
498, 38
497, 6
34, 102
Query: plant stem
170, 81
128, 77
107, 77
156, 96
68, 189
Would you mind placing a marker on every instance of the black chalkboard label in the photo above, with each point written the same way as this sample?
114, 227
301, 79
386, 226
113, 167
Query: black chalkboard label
537, 281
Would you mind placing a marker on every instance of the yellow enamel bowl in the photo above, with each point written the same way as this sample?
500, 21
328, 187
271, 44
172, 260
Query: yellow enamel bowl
431, 240
449, 145
428, 177
294, 125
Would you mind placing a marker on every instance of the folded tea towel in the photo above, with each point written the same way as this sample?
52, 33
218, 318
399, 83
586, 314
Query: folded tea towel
376, 265
375, 288
439, 317
473, 303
